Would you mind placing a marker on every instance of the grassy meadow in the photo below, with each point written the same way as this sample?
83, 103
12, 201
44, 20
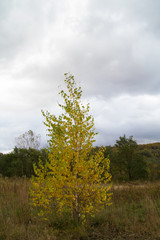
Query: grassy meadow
134, 214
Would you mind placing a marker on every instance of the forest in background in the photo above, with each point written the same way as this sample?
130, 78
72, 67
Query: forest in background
129, 161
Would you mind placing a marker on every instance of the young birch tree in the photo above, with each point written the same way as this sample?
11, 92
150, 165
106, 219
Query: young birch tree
73, 180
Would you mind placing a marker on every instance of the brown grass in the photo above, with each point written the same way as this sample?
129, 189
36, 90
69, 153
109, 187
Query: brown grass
134, 214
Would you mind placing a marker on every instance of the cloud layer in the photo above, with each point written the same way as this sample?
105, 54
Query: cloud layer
111, 46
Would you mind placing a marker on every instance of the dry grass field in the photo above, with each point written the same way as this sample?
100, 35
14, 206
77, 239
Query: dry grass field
134, 214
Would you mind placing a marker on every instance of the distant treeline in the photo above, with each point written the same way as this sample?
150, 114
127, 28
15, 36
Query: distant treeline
128, 160
20, 161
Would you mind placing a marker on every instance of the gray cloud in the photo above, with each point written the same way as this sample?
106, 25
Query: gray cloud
136, 116
111, 46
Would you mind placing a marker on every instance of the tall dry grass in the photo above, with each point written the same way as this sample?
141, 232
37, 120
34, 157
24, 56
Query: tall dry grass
134, 214
14, 208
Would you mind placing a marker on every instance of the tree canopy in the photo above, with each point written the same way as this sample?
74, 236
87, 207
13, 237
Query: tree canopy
28, 140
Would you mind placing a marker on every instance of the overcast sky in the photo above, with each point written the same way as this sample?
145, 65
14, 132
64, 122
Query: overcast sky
111, 46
